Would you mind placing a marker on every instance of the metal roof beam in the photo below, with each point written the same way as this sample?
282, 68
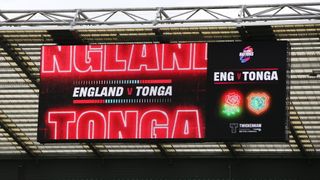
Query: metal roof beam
295, 134
162, 150
159, 36
15, 138
95, 150
6, 46
158, 16
297, 139
231, 149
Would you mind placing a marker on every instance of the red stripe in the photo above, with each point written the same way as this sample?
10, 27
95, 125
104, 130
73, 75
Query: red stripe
253, 69
88, 101
156, 81
256, 82
263, 69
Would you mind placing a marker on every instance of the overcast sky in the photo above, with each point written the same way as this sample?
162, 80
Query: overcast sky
72, 4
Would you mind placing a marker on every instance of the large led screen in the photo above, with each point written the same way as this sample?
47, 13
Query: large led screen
130, 92
247, 91
135, 91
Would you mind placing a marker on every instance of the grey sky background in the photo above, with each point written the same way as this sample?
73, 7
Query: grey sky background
90, 4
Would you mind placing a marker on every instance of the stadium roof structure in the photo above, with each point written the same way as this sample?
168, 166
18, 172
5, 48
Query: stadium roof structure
22, 33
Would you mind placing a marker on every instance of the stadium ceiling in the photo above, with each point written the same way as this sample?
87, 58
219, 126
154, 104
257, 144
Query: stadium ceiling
22, 33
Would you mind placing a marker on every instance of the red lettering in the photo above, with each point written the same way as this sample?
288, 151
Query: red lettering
125, 58
200, 56
91, 125
129, 91
58, 124
187, 124
154, 124
123, 126
176, 56
116, 57
145, 56
56, 59
88, 58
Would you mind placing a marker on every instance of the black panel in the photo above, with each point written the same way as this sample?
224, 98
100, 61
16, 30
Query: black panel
247, 91
65, 37
161, 169
256, 33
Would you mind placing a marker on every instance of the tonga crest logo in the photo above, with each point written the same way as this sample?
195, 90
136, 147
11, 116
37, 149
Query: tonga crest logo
258, 102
